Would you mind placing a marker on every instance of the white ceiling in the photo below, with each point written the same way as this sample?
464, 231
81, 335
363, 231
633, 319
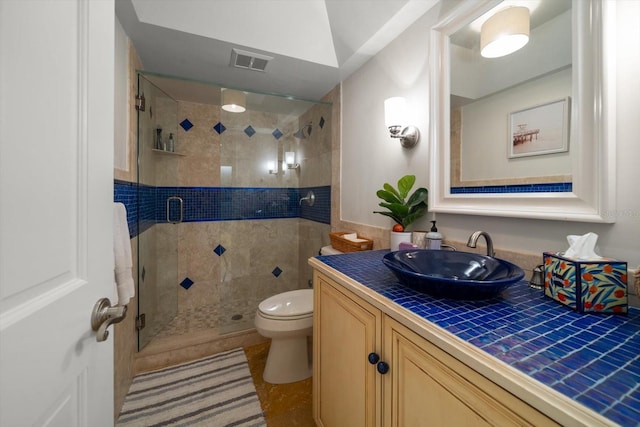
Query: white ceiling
315, 43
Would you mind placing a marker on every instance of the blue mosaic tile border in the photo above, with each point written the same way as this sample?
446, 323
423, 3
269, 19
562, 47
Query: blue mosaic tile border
225, 204
591, 358
146, 207
321, 209
149, 204
556, 187
127, 193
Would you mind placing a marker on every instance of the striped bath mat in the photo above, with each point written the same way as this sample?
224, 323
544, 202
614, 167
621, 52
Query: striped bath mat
214, 391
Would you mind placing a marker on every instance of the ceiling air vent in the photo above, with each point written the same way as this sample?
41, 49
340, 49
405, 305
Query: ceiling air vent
249, 60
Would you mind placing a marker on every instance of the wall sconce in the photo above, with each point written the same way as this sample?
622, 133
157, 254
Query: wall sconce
290, 160
272, 167
234, 101
394, 113
505, 32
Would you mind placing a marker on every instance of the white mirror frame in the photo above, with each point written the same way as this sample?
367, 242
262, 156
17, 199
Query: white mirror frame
592, 132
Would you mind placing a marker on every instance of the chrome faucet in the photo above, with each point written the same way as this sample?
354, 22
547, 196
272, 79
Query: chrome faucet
473, 239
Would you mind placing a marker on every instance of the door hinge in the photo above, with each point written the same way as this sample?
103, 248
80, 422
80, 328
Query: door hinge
140, 322
140, 102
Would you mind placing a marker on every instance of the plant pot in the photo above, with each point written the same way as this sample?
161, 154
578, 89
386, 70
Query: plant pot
398, 237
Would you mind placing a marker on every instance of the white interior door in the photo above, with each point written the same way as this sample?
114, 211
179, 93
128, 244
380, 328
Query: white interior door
56, 183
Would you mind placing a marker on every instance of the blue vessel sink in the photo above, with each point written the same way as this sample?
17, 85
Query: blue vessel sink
452, 274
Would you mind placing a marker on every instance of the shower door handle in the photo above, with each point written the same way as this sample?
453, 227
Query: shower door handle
179, 199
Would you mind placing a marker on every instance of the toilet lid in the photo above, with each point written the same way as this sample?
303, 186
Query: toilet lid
288, 304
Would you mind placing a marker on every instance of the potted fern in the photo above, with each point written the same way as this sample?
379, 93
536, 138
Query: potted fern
401, 206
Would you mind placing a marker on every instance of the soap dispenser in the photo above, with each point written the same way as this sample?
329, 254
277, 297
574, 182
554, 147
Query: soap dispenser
433, 238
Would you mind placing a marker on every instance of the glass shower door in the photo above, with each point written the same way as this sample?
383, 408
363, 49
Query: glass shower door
261, 238
158, 232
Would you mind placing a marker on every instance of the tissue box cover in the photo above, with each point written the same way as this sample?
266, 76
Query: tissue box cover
586, 286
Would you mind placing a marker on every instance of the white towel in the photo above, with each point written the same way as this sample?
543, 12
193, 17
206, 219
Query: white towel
125, 289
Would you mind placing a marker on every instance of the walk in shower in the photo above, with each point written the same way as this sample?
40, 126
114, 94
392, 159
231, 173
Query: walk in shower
224, 221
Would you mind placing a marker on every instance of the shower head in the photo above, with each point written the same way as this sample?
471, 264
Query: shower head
304, 131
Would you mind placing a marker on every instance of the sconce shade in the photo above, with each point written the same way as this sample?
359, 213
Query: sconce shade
505, 32
234, 101
395, 114
290, 157
394, 111
272, 167
290, 160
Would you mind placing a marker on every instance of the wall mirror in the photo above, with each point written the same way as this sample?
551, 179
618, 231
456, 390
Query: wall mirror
488, 113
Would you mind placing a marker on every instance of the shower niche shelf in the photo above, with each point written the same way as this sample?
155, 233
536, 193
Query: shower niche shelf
172, 153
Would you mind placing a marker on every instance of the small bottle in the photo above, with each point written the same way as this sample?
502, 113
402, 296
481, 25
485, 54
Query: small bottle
434, 239
159, 145
172, 145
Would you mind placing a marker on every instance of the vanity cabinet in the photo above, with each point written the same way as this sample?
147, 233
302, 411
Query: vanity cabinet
424, 385
347, 390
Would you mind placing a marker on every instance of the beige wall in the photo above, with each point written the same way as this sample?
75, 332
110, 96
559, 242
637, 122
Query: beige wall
124, 333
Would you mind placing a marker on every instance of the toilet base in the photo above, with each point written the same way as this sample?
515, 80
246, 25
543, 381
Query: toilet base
288, 361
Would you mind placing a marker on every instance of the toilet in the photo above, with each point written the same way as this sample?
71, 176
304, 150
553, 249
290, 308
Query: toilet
287, 319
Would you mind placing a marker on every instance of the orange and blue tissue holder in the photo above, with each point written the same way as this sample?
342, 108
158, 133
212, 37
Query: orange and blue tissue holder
586, 286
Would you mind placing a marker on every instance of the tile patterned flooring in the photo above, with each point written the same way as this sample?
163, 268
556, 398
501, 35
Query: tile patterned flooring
284, 405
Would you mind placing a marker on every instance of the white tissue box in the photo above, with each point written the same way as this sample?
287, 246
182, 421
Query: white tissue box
586, 286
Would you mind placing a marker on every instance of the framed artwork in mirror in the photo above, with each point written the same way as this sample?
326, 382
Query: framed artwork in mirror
541, 129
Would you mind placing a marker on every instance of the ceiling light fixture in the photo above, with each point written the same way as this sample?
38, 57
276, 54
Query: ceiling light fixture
505, 32
234, 101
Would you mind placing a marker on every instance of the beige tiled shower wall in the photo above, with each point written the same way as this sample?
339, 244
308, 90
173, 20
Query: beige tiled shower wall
227, 288
316, 154
200, 146
235, 282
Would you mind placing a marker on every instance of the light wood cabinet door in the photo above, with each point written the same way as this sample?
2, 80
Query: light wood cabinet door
427, 387
346, 387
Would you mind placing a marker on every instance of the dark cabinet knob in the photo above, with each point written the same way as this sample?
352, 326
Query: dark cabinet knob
383, 367
373, 358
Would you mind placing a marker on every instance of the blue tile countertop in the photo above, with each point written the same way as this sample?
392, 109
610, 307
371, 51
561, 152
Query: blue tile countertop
593, 359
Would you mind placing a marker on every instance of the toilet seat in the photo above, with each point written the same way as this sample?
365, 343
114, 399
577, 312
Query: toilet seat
290, 305
284, 318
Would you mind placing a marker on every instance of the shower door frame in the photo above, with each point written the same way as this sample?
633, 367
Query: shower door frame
158, 235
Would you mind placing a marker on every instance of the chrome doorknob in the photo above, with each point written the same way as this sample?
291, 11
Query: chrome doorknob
103, 315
